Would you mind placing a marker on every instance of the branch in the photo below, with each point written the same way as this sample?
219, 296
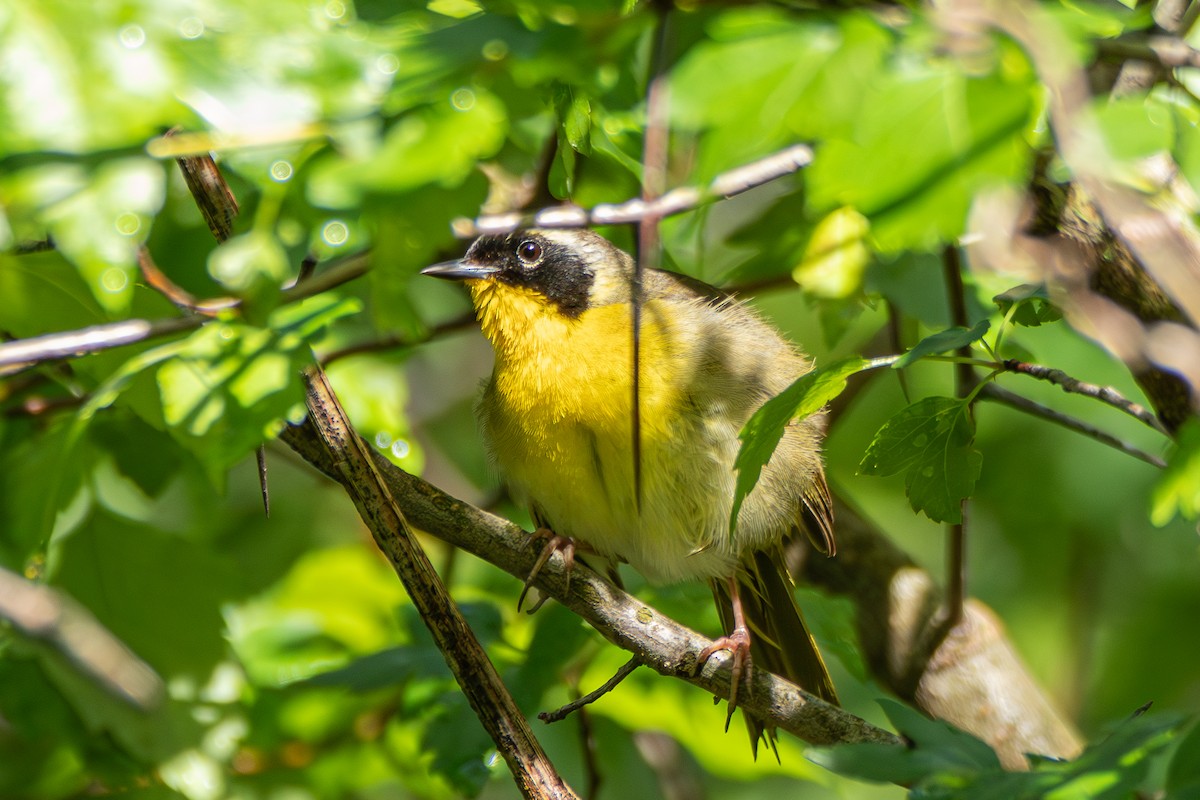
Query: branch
659, 642
43, 614
676, 201
1001, 395
1104, 394
964, 384
21, 353
1166, 51
1159, 241
358, 472
27, 352
969, 675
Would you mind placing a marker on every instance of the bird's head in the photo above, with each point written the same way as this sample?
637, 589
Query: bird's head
539, 272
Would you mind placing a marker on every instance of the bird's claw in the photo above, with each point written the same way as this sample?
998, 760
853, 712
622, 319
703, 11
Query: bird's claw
554, 542
738, 645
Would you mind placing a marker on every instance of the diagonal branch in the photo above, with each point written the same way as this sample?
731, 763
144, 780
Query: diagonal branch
350, 459
658, 641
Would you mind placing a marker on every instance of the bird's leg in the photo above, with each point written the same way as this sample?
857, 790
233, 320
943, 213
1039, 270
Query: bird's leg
564, 544
738, 644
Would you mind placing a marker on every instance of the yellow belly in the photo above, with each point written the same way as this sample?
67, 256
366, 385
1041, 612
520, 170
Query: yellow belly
559, 429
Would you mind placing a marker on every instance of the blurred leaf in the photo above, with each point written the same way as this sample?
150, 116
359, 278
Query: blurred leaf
766, 426
144, 455
941, 342
941, 763
556, 640
385, 668
230, 385
252, 265
931, 441
437, 145
836, 256
460, 746
927, 139
1184, 771
374, 393
1033, 306
1178, 488
1135, 126
300, 629
574, 116
160, 594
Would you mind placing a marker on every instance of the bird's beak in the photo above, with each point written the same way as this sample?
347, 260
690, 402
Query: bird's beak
461, 270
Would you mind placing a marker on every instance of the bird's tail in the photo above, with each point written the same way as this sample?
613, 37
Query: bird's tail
780, 641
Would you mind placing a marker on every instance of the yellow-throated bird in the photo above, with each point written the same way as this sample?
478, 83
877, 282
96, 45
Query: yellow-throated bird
556, 414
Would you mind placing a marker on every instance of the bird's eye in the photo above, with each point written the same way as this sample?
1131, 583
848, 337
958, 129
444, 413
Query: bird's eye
529, 252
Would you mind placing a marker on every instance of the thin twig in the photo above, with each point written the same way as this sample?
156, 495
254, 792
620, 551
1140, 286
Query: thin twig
1188, 21
964, 383
1104, 394
993, 392
648, 256
157, 279
676, 201
459, 323
219, 205
559, 714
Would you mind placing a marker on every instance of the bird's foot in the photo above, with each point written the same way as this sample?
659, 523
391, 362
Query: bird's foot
563, 544
738, 645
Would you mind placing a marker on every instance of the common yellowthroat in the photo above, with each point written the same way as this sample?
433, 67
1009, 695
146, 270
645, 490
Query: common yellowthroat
556, 415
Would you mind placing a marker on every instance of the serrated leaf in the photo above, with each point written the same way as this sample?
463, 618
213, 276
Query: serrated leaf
931, 442
954, 747
765, 428
1033, 305
1178, 490
942, 342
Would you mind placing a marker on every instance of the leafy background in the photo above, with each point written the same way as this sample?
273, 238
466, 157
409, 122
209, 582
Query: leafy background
293, 663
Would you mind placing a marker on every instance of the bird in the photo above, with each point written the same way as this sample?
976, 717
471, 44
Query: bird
556, 415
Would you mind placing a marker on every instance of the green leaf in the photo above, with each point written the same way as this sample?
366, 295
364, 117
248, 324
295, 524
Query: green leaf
250, 265
159, 593
1178, 489
1033, 305
927, 139
438, 145
931, 442
231, 385
836, 256
943, 341
955, 747
764, 429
